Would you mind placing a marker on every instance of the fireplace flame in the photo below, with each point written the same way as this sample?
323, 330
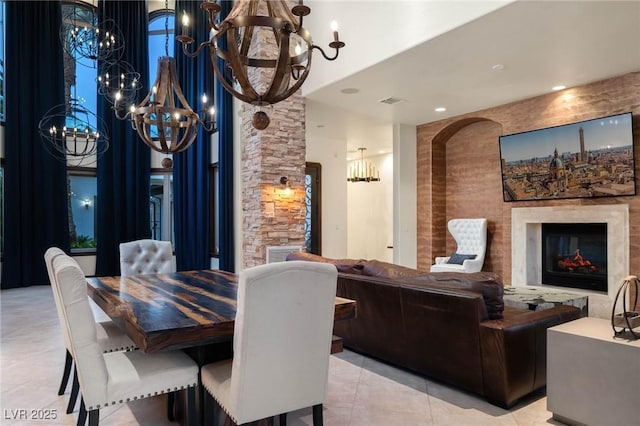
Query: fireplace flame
576, 263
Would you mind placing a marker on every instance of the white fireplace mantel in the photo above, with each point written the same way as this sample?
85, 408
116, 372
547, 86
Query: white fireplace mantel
526, 239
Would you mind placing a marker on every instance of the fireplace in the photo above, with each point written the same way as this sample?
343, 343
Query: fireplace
575, 255
526, 245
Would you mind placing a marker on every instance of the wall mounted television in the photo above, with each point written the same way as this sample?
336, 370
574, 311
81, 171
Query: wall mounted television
592, 158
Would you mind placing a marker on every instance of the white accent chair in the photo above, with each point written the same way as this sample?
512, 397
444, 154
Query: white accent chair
110, 337
146, 257
281, 342
471, 238
114, 377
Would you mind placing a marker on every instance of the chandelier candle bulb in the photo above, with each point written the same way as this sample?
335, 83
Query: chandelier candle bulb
185, 24
334, 28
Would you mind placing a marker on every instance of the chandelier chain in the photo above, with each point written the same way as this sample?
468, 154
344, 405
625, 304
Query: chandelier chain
166, 27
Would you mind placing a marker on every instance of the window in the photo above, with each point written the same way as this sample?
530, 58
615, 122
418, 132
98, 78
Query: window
80, 83
82, 189
161, 205
158, 40
161, 198
160, 27
80, 71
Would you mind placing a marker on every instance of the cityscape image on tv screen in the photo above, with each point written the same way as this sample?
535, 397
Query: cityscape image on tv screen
591, 158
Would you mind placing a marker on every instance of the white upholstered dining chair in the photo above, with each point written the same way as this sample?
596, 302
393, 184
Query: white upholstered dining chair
471, 240
115, 377
110, 337
281, 342
146, 257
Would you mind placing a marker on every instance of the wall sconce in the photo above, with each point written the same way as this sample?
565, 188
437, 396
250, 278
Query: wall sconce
286, 185
86, 203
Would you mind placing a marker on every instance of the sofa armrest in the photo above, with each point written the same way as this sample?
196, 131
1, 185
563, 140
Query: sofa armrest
514, 351
441, 260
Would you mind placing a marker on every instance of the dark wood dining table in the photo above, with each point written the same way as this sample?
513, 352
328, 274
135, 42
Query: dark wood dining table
193, 311
177, 310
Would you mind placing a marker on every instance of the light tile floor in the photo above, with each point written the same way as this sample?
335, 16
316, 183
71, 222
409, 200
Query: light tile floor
362, 391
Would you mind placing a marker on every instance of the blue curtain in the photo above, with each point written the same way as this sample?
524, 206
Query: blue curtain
35, 204
224, 103
123, 171
191, 167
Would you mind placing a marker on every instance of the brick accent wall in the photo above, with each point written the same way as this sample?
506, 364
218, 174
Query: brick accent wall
270, 216
459, 172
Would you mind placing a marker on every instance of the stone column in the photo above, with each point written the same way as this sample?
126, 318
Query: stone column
271, 215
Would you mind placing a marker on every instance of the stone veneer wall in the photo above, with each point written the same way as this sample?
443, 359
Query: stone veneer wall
267, 155
271, 215
459, 173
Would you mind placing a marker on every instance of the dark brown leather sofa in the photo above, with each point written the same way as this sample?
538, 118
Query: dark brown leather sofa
449, 326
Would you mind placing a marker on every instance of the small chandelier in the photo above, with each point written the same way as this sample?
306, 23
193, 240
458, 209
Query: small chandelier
363, 171
82, 36
73, 134
164, 120
246, 63
118, 81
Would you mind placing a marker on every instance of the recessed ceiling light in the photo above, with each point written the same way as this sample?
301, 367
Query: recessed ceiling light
350, 91
559, 87
497, 67
382, 151
440, 109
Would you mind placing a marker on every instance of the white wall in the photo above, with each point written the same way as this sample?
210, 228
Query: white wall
405, 220
412, 22
370, 213
331, 154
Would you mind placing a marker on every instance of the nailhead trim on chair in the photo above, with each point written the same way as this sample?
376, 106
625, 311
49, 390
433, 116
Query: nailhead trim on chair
122, 349
220, 405
97, 407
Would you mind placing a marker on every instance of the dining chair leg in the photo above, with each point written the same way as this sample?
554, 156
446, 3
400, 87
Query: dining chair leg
94, 417
75, 387
82, 415
218, 415
317, 415
283, 419
171, 406
191, 406
68, 361
208, 409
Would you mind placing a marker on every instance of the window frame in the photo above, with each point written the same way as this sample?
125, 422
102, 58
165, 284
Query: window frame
167, 221
83, 172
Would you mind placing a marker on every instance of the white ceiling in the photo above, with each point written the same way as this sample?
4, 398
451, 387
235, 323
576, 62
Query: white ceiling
539, 44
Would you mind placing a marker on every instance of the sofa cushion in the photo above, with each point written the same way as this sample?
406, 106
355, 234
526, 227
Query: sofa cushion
376, 268
485, 283
349, 266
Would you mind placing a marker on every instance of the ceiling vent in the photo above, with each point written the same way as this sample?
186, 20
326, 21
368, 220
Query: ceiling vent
390, 100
